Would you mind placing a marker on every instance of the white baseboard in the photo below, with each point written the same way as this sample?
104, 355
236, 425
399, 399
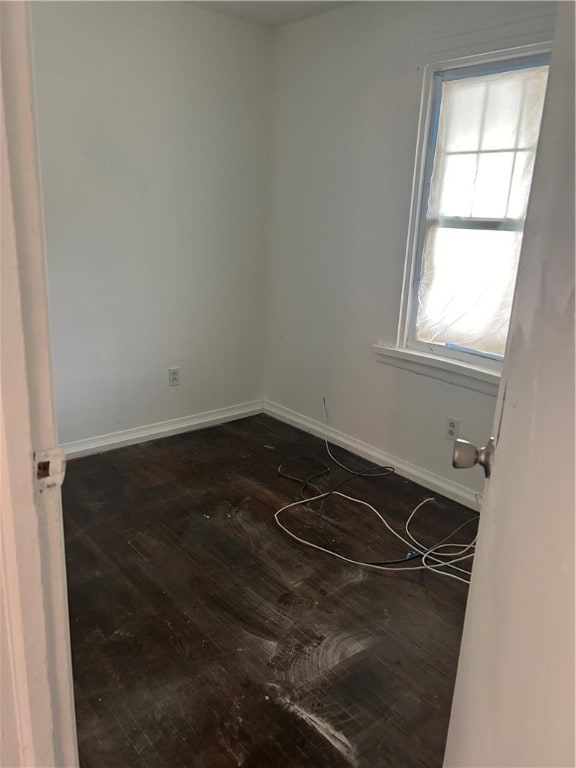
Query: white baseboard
429, 480
125, 437
160, 429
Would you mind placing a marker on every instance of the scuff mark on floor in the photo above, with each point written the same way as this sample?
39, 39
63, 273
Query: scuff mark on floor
334, 649
321, 726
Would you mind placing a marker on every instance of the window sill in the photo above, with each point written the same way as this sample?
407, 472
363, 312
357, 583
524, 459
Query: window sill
471, 377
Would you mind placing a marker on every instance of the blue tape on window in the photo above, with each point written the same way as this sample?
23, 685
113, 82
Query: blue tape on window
495, 67
459, 348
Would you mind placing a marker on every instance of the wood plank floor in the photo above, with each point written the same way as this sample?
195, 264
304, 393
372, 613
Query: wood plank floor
204, 637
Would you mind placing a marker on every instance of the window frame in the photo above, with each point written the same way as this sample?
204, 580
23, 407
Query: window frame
475, 365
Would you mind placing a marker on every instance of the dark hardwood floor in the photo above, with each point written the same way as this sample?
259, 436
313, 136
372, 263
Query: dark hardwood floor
203, 636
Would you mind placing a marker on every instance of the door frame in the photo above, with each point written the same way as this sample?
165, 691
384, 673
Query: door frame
38, 721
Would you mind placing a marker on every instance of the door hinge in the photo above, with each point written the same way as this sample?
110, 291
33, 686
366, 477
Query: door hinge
49, 469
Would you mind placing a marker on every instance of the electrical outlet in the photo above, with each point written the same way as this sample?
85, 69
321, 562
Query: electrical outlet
174, 376
452, 428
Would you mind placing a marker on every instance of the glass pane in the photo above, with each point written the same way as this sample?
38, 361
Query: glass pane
466, 288
536, 80
462, 105
492, 185
499, 112
458, 185
521, 183
503, 109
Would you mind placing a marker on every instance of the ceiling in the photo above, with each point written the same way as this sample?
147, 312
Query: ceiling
270, 13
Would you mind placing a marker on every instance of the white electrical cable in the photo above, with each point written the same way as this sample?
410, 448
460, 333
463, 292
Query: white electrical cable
441, 545
426, 553
456, 560
432, 554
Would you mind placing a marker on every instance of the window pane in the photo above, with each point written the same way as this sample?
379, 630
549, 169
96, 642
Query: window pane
482, 171
466, 288
462, 105
521, 182
536, 80
482, 121
503, 110
458, 180
492, 185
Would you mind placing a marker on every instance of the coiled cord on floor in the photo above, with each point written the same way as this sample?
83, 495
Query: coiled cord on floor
433, 558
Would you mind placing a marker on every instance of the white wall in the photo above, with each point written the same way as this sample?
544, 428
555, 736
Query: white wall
153, 130
167, 245
346, 94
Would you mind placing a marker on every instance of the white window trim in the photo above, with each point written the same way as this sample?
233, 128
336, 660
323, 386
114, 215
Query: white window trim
466, 370
465, 375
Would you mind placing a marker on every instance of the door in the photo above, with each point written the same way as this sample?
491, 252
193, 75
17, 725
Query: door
514, 697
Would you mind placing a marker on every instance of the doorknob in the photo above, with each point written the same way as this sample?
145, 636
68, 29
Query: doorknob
468, 455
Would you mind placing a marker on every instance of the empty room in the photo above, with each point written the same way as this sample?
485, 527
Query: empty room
297, 353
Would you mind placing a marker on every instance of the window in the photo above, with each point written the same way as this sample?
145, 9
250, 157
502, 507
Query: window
475, 181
